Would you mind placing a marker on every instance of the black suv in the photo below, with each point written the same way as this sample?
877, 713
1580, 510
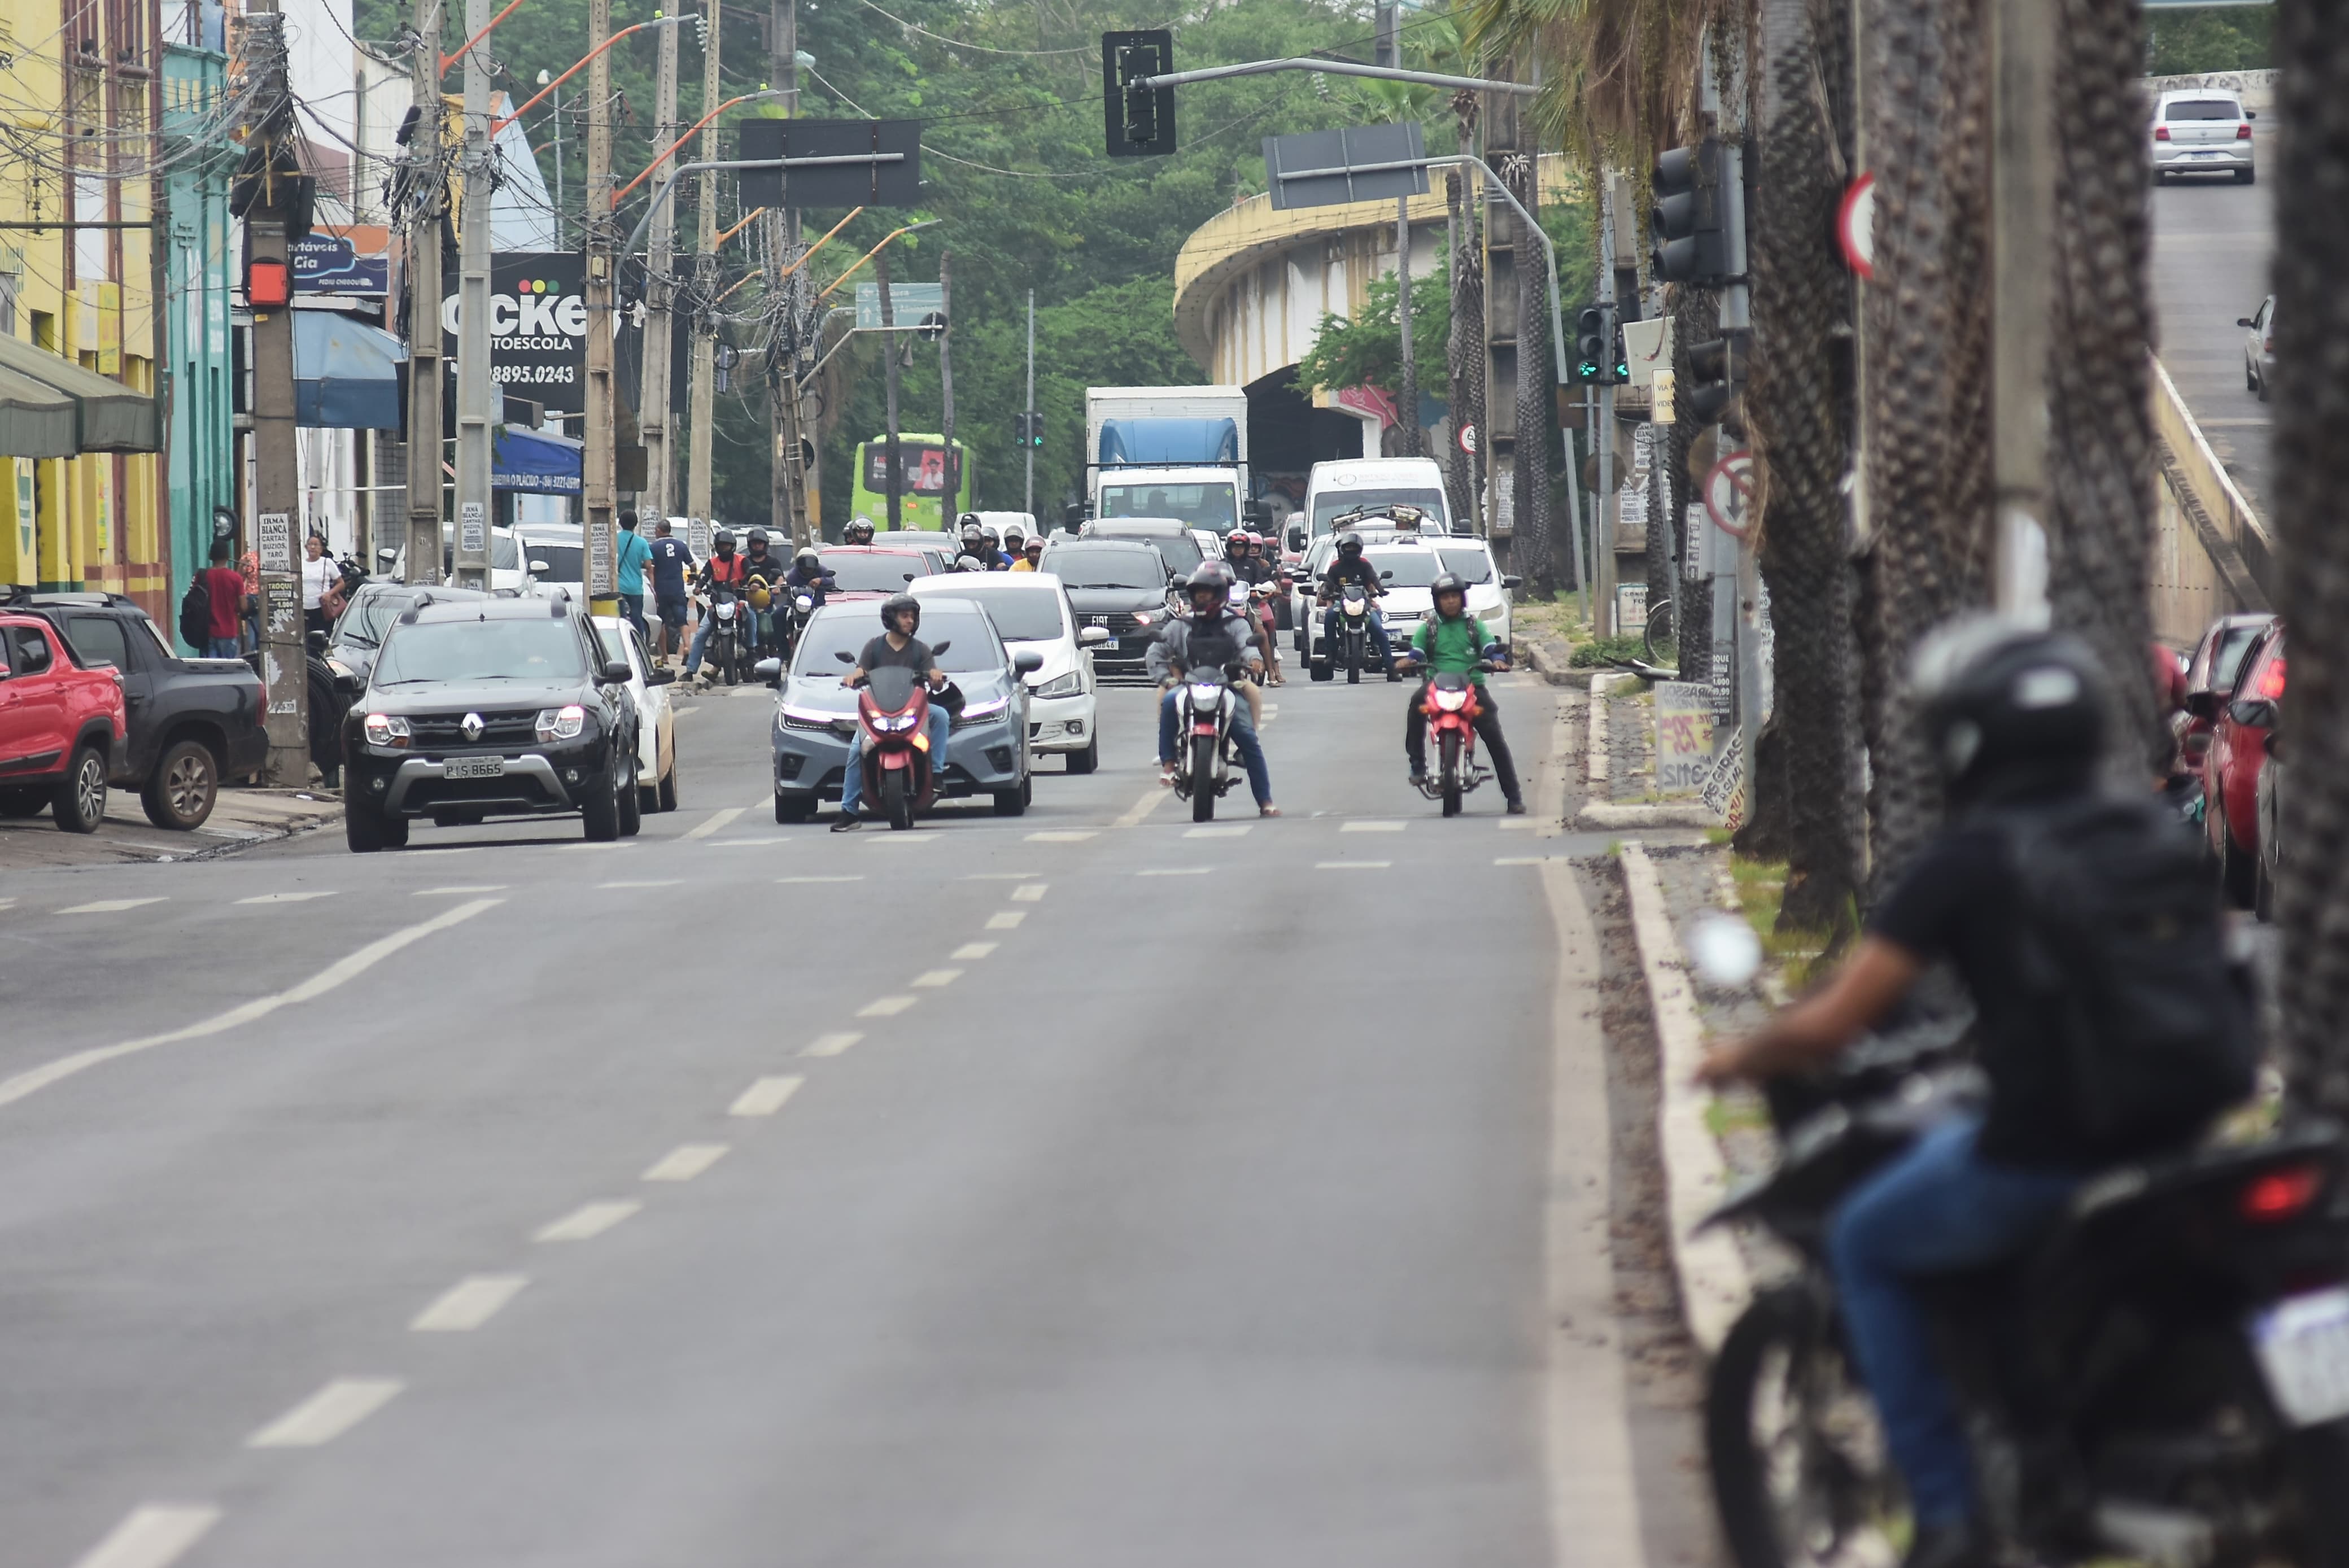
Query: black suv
194, 723
489, 708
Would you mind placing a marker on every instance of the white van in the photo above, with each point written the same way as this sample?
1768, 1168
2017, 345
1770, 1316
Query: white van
1341, 486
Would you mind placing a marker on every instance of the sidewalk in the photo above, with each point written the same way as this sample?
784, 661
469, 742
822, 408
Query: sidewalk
240, 818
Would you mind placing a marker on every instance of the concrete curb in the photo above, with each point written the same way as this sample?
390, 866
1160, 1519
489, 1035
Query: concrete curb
1714, 1281
1605, 814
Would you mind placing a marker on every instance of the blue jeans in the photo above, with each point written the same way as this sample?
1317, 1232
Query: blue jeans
224, 648
1243, 741
1378, 635
701, 635
1940, 1208
632, 608
852, 783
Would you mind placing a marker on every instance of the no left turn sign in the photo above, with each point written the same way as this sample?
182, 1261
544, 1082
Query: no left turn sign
1729, 492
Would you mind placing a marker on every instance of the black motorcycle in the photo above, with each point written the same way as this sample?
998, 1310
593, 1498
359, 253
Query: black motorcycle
2165, 1378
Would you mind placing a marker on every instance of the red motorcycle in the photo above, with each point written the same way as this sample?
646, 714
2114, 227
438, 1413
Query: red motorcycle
894, 710
1449, 700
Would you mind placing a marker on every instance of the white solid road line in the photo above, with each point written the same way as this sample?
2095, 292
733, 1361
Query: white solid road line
667, 882
1508, 823
1006, 920
716, 820
109, 905
1521, 860
468, 1303
283, 897
1371, 827
1029, 893
830, 1045
327, 1414
588, 1220
914, 836
1143, 808
931, 979
454, 892
1351, 865
1001, 876
152, 1535
1176, 871
971, 951
765, 1096
858, 877
36, 1079
884, 1007
686, 1161
1061, 836
1233, 832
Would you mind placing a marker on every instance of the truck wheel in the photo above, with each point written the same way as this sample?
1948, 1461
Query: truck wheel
182, 790
80, 801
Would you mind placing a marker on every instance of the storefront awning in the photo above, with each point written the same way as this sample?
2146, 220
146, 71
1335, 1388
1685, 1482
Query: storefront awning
36, 421
345, 372
109, 417
534, 461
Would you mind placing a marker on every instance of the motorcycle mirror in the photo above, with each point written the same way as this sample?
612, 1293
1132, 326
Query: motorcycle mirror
386, 556
1028, 661
1724, 950
317, 642
1386, 576
937, 648
844, 657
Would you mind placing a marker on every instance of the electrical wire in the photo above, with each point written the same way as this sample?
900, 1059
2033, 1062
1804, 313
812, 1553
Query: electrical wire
983, 49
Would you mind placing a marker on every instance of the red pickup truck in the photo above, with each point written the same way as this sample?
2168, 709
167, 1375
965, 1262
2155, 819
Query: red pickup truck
62, 727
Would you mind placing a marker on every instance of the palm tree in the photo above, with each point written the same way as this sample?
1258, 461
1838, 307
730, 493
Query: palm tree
1465, 353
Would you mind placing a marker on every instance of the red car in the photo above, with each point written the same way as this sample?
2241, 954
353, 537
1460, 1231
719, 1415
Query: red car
62, 727
2210, 673
2230, 768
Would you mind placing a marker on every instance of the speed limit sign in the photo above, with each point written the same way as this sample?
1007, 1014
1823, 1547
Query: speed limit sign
1468, 440
1729, 492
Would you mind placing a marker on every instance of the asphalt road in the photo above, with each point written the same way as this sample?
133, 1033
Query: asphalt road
2212, 240
1077, 1189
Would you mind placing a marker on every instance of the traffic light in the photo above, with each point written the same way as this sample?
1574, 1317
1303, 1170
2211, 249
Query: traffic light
1594, 336
1717, 375
1033, 428
1138, 122
1688, 224
1619, 362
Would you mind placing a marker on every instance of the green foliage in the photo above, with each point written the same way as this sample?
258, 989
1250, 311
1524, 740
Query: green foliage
2217, 39
1366, 350
1602, 652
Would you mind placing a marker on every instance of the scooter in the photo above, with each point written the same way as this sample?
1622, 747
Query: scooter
1206, 705
1451, 701
893, 707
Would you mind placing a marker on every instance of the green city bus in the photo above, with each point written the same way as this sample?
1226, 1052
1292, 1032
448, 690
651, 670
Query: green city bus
922, 493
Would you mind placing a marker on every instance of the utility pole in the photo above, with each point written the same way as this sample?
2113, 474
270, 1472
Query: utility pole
477, 388
544, 80
277, 499
945, 390
1028, 449
661, 289
705, 275
426, 189
1602, 512
1409, 398
598, 472
2022, 207
893, 481
787, 487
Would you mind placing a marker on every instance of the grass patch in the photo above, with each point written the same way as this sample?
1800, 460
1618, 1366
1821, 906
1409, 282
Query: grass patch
1760, 888
1718, 835
1600, 653
1724, 1116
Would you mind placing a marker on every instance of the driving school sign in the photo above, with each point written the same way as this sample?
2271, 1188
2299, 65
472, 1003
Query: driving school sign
538, 328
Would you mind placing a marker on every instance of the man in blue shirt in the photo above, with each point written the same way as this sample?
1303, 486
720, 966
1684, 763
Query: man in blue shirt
634, 554
671, 560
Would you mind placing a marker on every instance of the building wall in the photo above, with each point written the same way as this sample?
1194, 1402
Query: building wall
199, 473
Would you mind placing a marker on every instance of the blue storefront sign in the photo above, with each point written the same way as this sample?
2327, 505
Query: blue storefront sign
331, 264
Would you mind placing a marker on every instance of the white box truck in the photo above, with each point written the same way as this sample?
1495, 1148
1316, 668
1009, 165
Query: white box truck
1168, 451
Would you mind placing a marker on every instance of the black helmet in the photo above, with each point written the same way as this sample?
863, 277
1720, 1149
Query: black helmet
2002, 702
1448, 582
859, 532
1349, 543
896, 601
1213, 576
757, 538
808, 558
724, 540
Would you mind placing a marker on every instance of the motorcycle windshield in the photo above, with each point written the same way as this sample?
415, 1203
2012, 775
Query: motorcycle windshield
891, 688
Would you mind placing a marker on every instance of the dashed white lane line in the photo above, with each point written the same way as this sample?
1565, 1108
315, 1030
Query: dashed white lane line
1508, 824
686, 1161
913, 837
1061, 836
858, 877
998, 876
1521, 860
765, 1096
1233, 832
1370, 826
1006, 919
152, 1535
588, 1220
1143, 808
970, 952
1175, 872
454, 892
327, 1414
37, 1078
715, 821
468, 1303
283, 897
884, 1007
7, 903
1351, 865
656, 882
931, 979
1029, 893
830, 1045
109, 905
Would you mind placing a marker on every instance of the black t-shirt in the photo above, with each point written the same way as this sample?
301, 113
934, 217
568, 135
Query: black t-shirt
1342, 571
671, 560
879, 655
1958, 900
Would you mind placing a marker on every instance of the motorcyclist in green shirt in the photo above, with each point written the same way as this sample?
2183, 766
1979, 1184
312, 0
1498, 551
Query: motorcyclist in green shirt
1452, 641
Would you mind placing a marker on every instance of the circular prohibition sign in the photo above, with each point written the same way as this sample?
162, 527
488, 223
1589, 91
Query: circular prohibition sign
1729, 492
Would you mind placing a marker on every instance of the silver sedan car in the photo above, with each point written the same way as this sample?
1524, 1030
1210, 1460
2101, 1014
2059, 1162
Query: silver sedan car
2259, 347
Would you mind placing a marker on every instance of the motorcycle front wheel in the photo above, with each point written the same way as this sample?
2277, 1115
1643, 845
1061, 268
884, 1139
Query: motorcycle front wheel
1353, 660
1451, 775
1203, 778
896, 798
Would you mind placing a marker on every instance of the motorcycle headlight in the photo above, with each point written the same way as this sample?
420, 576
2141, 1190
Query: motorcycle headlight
1144, 617
1068, 685
726, 611
1206, 692
803, 605
893, 723
386, 730
562, 723
1451, 701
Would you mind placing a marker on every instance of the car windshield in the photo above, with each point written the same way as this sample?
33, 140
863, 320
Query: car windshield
887, 573
1021, 615
1328, 503
1101, 566
1468, 565
2228, 662
563, 562
481, 650
505, 554
1405, 568
2204, 108
369, 617
1199, 506
1179, 551
975, 648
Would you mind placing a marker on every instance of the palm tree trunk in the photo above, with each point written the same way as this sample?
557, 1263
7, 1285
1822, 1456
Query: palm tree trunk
1536, 407
2311, 475
1465, 353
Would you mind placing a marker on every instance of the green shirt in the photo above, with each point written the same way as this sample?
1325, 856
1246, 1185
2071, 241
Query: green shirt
1455, 647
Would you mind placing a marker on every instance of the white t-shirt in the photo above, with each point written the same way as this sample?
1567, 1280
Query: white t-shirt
318, 576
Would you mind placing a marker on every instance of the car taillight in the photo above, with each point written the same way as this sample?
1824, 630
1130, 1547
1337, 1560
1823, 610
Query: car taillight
2272, 680
2161, 133
2243, 133
2280, 1194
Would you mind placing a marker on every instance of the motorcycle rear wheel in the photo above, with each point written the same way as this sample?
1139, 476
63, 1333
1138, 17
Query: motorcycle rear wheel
1203, 778
896, 798
1451, 775
2320, 1469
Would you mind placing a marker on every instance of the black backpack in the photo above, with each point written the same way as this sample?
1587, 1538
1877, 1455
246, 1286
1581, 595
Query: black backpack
196, 615
2122, 942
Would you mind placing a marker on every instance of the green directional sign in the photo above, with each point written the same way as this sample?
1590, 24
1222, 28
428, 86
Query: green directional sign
910, 303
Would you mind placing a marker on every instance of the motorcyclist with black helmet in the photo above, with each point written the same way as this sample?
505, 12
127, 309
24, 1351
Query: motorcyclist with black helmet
858, 531
901, 617
724, 569
2015, 718
1348, 566
977, 546
811, 576
1245, 551
762, 574
1211, 633
1452, 641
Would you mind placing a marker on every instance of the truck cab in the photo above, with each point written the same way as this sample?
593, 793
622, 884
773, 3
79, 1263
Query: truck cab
1178, 452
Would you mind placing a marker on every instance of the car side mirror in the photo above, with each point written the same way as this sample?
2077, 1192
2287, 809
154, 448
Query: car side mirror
660, 675
768, 670
2202, 703
1092, 637
1296, 536
616, 671
540, 566
2253, 712
317, 642
2274, 743
2243, 320
1028, 661
1511, 582
2251, 114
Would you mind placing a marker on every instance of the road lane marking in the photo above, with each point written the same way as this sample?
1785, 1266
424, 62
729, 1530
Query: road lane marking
893, 836
1508, 824
998, 876
1029, 893
1143, 808
1061, 836
681, 712
1232, 831
931, 979
1006, 920
765, 1096
283, 897
858, 877
1521, 860
686, 1161
1175, 872
971, 951
109, 905
588, 1220
1351, 865
152, 1535
468, 1303
715, 821
454, 892
36, 1079
830, 1045
327, 1414
7, 903
884, 1007
1371, 827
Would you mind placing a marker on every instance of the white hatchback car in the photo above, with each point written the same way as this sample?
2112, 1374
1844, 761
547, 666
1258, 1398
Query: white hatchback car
1031, 613
2203, 131
656, 720
1471, 561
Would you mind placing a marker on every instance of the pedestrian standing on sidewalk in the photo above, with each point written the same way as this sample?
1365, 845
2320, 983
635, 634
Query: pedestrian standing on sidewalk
671, 560
321, 576
250, 566
224, 586
634, 555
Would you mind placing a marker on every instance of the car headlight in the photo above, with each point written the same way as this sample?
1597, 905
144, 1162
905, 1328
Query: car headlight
987, 709
386, 730
562, 723
1068, 685
1144, 617
338, 669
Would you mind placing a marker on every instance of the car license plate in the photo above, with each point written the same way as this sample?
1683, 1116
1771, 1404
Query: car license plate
473, 768
2304, 1348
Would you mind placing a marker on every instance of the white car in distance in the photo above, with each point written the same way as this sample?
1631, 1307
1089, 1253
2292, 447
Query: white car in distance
1031, 613
655, 719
